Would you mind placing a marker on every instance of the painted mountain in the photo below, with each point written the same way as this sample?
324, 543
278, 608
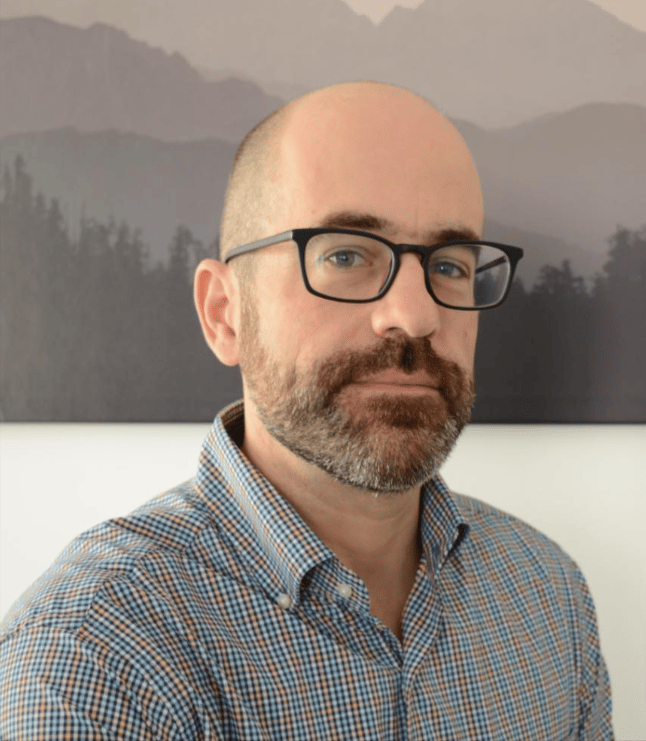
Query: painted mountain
99, 79
495, 64
130, 146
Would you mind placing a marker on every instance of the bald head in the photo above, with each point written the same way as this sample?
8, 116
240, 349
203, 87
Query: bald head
381, 140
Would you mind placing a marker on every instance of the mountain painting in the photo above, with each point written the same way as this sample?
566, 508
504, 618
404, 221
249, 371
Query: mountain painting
117, 135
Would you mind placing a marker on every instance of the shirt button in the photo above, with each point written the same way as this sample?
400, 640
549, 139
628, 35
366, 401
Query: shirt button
285, 601
344, 590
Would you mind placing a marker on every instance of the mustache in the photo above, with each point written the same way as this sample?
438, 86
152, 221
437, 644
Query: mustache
409, 355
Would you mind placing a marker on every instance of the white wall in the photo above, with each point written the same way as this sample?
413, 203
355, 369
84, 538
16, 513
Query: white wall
584, 486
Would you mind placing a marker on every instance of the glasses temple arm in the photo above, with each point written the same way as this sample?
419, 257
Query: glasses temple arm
492, 264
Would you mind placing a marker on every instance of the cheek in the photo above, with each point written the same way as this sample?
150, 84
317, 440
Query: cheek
296, 326
321, 329
470, 336
457, 338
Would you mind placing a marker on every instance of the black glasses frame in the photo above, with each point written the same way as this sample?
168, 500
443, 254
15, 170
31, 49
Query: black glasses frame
302, 236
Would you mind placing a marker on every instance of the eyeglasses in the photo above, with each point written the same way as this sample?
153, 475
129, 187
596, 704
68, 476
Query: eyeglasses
358, 267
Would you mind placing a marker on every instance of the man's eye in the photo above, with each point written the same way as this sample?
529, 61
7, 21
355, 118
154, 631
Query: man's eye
346, 259
448, 269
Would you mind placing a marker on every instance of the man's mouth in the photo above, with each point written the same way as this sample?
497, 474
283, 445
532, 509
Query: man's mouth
400, 381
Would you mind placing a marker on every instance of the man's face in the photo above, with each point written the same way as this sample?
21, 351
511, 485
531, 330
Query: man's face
307, 362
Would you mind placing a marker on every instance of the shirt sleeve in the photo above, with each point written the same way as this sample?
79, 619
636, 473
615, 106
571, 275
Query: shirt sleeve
595, 700
54, 687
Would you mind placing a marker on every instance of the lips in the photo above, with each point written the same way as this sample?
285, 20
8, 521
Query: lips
399, 379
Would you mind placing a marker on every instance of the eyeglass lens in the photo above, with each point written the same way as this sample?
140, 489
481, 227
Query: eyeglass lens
349, 266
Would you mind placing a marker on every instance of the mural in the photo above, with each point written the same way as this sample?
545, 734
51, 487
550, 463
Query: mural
118, 127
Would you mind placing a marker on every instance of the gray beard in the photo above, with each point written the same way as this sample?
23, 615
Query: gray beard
386, 444
380, 461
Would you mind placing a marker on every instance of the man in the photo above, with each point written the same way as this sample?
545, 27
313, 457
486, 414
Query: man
317, 580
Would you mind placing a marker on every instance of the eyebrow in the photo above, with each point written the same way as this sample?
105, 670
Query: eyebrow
371, 222
356, 220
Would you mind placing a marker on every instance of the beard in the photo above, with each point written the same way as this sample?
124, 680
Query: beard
385, 443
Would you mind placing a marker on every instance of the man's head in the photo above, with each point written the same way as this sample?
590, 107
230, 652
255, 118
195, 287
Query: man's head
371, 157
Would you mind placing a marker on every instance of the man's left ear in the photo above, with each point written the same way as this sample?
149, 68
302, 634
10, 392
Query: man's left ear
215, 300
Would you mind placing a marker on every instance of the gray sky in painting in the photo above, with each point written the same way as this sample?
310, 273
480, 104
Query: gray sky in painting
629, 11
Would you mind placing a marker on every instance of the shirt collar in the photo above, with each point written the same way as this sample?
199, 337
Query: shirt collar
287, 546
289, 549
442, 526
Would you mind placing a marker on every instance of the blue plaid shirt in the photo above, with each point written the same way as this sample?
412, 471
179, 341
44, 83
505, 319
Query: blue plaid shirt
214, 612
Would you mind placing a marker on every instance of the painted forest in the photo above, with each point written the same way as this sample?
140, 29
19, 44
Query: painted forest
91, 331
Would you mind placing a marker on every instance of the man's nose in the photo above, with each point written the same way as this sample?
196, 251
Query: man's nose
407, 306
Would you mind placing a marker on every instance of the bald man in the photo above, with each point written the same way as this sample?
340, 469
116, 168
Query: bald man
317, 579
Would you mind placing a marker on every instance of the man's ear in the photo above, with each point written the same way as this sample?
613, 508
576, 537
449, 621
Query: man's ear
216, 298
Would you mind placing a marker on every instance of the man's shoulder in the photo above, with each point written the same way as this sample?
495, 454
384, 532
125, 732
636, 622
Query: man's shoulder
485, 515
112, 635
113, 551
494, 531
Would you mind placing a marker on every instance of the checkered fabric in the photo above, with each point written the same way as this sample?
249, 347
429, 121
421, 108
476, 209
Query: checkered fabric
214, 612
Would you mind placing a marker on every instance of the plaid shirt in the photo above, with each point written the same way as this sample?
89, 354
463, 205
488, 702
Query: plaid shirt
214, 612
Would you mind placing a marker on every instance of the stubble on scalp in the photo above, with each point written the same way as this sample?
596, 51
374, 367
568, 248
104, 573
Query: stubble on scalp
254, 193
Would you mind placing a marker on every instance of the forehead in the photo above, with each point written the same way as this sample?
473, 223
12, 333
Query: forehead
387, 155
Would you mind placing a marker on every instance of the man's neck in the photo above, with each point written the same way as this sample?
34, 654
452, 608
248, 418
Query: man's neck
376, 537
